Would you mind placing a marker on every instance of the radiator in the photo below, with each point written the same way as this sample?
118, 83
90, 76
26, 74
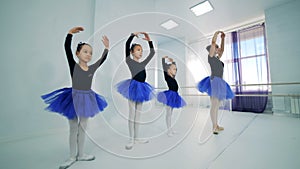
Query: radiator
295, 105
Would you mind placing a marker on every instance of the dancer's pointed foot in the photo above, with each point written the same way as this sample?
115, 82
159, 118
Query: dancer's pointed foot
67, 163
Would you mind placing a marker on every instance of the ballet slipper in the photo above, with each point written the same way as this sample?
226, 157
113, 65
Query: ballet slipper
141, 141
86, 157
67, 163
220, 128
129, 145
215, 131
171, 133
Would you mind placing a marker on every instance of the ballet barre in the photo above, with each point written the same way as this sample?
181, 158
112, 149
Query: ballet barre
261, 84
263, 95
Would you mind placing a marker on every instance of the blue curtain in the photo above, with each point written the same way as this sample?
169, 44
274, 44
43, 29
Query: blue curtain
256, 104
250, 66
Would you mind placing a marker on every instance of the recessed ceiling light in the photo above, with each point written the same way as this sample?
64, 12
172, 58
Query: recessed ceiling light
170, 24
201, 8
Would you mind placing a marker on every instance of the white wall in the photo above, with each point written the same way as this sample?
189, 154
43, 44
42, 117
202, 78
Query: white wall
197, 69
33, 60
282, 28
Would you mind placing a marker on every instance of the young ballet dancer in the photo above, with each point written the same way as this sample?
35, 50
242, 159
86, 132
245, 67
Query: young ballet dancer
214, 85
136, 90
170, 97
78, 103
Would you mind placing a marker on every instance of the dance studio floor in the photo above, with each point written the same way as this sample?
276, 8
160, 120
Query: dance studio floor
249, 141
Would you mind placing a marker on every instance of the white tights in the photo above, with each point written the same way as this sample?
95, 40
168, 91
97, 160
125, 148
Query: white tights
215, 104
77, 136
169, 111
135, 109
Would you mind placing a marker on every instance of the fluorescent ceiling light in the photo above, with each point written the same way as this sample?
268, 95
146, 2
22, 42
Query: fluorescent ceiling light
170, 24
201, 8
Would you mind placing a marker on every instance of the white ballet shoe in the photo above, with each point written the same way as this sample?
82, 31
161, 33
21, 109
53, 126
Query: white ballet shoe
129, 145
86, 157
67, 163
141, 141
174, 132
171, 133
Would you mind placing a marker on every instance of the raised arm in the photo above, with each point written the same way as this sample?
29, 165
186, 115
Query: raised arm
127, 45
222, 44
152, 52
164, 64
101, 59
213, 44
68, 49
105, 42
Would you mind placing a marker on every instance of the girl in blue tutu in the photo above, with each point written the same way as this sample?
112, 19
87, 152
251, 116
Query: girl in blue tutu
78, 103
214, 85
170, 97
136, 90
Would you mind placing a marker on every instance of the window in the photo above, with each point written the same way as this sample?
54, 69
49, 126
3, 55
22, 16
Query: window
247, 60
246, 63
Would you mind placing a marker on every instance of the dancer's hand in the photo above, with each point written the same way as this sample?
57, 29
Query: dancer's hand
165, 57
217, 32
171, 60
136, 34
76, 30
214, 39
222, 35
105, 41
147, 37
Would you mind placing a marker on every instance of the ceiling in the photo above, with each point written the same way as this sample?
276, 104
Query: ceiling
117, 18
227, 14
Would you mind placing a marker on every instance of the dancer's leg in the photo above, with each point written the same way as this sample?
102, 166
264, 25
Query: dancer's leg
137, 119
81, 140
137, 122
73, 124
215, 104
73, 127
217, 115
213, 112
169, 112
131, 116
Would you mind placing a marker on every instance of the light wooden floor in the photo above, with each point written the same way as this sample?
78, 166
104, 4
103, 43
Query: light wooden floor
250, 141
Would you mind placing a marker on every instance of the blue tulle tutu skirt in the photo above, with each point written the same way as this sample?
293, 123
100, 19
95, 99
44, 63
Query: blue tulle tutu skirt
73, 103
171, 98
215, 87
135, 91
